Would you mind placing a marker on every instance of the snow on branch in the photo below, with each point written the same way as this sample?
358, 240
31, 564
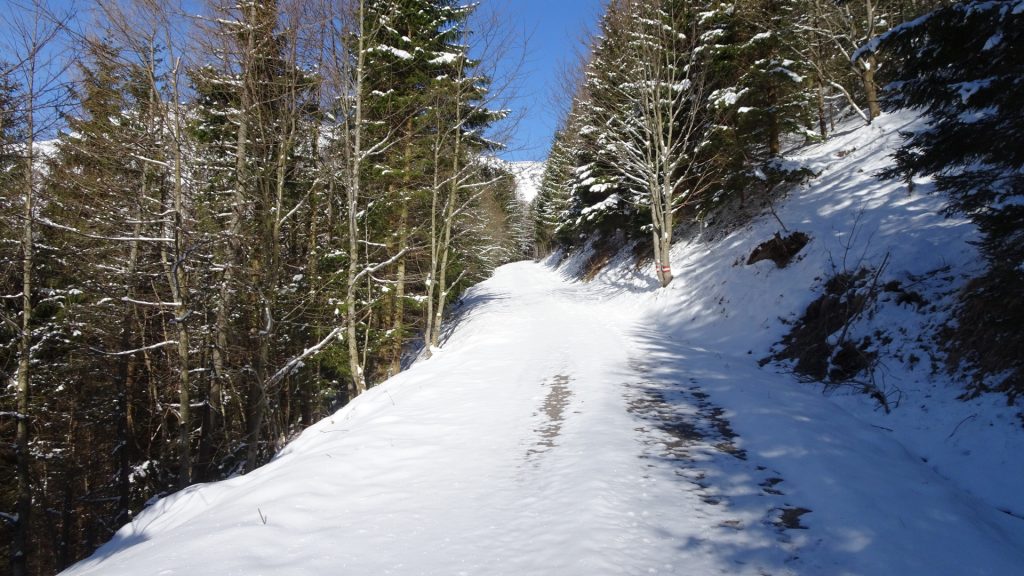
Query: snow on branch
294, 363
144, 303
52, 224
379, 265
160, 163
137, 350
871, 46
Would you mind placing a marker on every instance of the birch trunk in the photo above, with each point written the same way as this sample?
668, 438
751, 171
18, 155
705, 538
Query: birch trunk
431, 281
175, 270
355, 366
445, 247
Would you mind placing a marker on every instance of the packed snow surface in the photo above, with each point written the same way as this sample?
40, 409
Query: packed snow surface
610, 427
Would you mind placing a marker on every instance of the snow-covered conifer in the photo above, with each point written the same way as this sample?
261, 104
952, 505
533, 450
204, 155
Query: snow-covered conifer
963, 66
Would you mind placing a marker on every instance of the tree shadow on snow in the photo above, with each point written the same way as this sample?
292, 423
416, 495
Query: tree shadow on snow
790, 482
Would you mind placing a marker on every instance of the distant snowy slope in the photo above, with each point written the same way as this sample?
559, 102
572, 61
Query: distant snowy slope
528, 178
609, 427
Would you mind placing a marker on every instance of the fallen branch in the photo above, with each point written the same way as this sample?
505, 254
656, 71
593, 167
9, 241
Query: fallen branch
960, 424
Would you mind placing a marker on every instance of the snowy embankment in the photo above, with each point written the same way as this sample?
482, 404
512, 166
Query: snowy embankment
611, 428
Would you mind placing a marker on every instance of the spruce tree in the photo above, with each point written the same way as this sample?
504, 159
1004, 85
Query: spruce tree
592, 198
553, 195
414, 45
761, 89
96, 179
963, 66
11, 127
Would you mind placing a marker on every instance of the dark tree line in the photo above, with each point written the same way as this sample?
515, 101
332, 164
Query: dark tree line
247, 219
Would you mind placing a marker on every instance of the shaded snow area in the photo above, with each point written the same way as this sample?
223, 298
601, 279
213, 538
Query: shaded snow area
609, 427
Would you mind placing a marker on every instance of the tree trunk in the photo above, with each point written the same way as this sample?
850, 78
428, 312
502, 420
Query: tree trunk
867, 76
20, 541
355, 367
125, 377
666, 261
661, 216
177, 279
662, 262
309, 386
869, 64
256, 398
264, 275
185, 410
446, 224
822, 120
774, 144
398, 325
216, 419
398, 312
774, 130
173, 269
431, 281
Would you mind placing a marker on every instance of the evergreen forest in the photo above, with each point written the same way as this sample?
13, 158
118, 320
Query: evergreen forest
682, 110
219, 229
220, 224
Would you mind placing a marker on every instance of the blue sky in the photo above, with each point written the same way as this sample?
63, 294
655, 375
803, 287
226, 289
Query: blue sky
552, 30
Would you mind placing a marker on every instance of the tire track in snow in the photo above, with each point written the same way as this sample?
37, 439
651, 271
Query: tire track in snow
553, 410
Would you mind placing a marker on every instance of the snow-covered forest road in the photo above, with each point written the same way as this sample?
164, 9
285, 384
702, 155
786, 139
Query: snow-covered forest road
558, 431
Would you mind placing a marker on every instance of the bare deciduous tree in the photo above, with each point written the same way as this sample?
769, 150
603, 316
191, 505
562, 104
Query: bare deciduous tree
657, 116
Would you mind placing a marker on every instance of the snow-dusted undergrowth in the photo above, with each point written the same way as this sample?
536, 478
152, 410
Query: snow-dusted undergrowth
613, 428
